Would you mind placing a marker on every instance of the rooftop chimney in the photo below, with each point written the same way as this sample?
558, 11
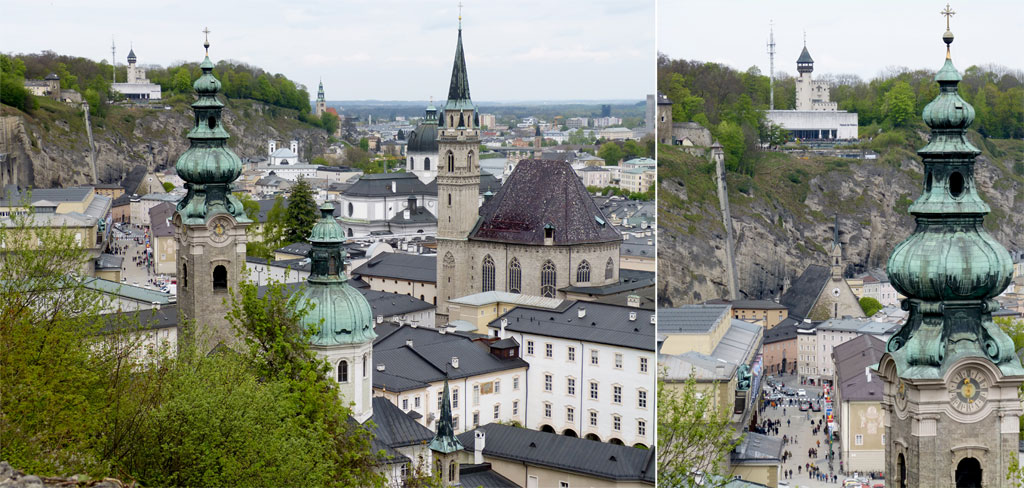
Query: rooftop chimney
455, 362
581, 312
380, 367
380, 319
478, 446
632, 316
408, 342
501, 331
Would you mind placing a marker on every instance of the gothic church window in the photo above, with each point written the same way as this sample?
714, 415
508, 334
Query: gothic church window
547, 279
469, 159
220, 278
515, 277
609, 269
451, 472
488, 274
451, 161
583, 272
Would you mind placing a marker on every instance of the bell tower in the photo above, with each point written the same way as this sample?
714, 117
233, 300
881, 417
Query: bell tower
209, 223
458, 186
321, 102
951, 374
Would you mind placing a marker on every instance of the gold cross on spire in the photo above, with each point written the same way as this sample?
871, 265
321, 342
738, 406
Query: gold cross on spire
206, 31
460, 15
948, 13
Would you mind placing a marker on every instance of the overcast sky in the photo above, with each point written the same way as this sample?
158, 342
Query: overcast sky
373, 49
862, 37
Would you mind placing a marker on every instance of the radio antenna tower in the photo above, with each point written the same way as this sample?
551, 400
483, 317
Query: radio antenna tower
771, 65
113, 64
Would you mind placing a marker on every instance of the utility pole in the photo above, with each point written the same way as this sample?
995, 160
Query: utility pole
771, 66
113, 64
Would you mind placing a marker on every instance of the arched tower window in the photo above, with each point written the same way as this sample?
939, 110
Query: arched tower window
364, 366
332, 268
968, 473
488, 274
411, 165
342, 371
583, 272
451, 472
184, 275
609, 269
515, 276
449, 266
350, 232
426, 164
351, 209
451, 161
548, 277
469, 159
212, 122
220, 278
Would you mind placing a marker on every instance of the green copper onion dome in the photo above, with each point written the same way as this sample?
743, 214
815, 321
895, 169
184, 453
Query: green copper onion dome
208, 166
950, 268
340, 313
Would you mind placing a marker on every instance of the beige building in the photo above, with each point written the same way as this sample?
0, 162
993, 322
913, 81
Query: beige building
761, 312
472, 313
165, 248
859, 415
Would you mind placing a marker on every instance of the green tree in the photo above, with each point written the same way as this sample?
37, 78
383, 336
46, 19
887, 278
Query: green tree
168, 186
611, 153
632, 149
899, 104
730, 136
182, 82
684, 104
301, 214
329, 122
364, 144
694, 435
870, 306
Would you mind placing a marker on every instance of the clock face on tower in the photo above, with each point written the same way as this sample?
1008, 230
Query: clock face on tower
968, 390
219, 231
901, 396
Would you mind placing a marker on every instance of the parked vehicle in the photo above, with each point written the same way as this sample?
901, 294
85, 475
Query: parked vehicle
801, 392
804, 406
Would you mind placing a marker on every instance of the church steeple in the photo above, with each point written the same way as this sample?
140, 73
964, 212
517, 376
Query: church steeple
458, 89
320, 92
836, 255
951, 374
445, 445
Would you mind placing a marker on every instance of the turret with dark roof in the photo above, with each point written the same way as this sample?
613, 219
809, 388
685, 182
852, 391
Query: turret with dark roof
805, 64
445, 441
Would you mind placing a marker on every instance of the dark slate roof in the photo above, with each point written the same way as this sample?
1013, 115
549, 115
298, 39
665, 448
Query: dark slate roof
412, 267
540, 193
852, 358
379, 184
424, 139
14, 196
133, 179
419, 216
394, 427
386, 304
159, 219
804, 291
638, 249
602, 324
297, 248
629, 279
781, 332
757, 449
601, 460
166, 316
427, 360
805, 57
690, 319
459, 87
748, 304
482, 476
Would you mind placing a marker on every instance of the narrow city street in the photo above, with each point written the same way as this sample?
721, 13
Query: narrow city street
131, 245
798, 428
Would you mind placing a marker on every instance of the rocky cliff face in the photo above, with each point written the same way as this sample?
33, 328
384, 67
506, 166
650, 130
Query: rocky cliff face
784, 217
50, 148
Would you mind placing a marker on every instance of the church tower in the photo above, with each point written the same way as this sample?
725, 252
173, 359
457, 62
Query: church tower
836, 255
209, 223
458, 186
321, 103
445, 445
341, 316
951, 374
804, 66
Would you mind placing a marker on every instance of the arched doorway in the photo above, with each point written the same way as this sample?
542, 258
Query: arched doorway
569, 433
593, 437
968, 473
547, 428
901, 471
616, 441
783, 365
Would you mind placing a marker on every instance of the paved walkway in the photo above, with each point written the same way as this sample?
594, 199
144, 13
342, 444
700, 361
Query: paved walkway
137, 274
801, 426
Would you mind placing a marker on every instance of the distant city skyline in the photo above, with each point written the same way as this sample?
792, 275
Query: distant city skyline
525, 50
864, 40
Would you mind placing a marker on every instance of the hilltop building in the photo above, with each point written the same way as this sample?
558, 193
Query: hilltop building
816, 118
137, 87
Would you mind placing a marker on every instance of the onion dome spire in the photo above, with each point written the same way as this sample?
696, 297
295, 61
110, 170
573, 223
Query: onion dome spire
340, 314
444, 440
208, 166
950, 268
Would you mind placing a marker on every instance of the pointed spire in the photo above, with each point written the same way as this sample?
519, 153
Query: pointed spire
458, 90
444, 440
835, 232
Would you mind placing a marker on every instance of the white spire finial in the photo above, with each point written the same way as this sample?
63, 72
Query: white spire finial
206, 44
